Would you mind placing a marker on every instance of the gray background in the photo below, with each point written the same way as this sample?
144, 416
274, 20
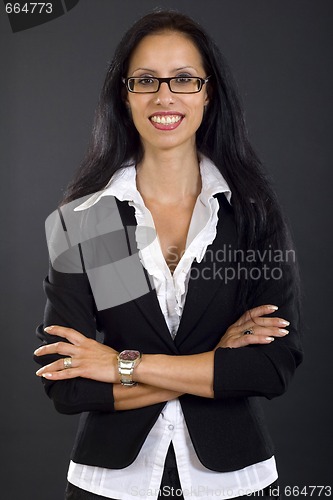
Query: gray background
280, 52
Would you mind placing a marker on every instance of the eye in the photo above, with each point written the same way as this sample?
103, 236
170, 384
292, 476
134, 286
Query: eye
183, 79
145, 81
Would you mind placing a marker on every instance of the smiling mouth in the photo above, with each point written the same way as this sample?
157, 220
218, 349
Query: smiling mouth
166, 120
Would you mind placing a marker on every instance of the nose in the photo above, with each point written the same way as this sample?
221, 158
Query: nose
164, 95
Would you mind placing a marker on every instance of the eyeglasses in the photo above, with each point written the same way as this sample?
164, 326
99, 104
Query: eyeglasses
177, 85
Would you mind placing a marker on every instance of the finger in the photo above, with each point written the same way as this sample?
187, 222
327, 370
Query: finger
256, 312
62, 374
70, 334
246, 340
62, 348
53, 367
264, 331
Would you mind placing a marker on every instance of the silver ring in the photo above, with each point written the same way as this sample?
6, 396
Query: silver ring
248, 331
67, 363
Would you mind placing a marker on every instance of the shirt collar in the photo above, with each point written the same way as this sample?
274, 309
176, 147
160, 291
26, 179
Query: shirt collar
212, 180
122, 185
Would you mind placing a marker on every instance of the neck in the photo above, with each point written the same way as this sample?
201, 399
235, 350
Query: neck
169, 177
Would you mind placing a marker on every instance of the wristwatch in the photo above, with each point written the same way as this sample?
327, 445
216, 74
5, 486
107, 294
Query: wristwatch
127, 361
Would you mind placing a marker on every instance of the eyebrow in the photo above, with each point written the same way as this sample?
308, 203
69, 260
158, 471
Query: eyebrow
153, 71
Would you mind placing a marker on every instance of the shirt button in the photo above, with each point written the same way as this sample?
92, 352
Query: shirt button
170, 427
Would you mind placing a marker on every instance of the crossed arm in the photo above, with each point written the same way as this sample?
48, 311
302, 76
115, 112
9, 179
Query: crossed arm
160, 377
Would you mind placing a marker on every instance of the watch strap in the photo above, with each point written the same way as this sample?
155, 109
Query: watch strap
126, 372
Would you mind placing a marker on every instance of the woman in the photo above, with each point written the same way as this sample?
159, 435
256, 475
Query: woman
169, 398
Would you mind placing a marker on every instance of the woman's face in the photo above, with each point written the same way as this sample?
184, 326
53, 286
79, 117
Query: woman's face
168, 54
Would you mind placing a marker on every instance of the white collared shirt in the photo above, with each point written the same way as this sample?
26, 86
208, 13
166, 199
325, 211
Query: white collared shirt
142, 479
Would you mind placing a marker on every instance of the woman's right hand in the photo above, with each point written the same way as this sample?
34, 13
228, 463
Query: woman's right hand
261, 329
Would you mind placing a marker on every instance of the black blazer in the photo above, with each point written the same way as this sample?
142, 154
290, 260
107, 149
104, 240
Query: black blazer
228, 432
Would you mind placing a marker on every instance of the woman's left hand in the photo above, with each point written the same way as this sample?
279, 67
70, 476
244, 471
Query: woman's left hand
85, 357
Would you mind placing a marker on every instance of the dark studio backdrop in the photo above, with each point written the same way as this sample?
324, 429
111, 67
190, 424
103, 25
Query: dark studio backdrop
51, 75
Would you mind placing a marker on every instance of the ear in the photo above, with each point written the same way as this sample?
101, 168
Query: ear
124, 97
208, 93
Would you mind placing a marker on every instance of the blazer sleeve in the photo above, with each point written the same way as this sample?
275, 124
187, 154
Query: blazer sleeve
70, 303
264, 370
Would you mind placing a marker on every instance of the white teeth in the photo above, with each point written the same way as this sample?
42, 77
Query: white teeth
166, 120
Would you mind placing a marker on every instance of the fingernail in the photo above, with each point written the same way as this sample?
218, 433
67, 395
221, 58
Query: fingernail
270, 339
37, 350
46, 375
273, 308
48, 328
284, 322
282, 330
39, 371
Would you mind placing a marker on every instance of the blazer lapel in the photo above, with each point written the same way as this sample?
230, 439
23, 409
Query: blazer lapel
148, 304
150, 308
207, 277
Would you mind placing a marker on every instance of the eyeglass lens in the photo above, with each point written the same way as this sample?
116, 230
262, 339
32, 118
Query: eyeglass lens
178, 85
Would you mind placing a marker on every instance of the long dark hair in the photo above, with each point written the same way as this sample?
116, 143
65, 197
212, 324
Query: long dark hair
222, 137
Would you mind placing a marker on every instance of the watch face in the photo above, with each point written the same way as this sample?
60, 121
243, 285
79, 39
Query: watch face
129, 355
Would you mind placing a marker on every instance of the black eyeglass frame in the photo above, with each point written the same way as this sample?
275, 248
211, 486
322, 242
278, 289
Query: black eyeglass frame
164, 80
